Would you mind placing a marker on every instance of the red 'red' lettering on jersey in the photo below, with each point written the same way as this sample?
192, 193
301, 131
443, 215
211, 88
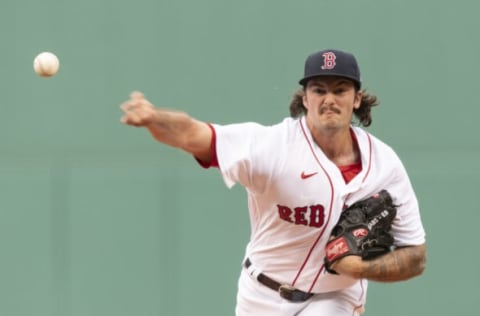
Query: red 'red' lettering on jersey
317, 215
300, 215
329, 60
284, 212
313, 215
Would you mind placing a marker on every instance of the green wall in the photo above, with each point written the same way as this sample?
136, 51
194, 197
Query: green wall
97, 219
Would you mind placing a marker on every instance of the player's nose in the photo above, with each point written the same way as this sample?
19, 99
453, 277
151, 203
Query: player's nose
329, 98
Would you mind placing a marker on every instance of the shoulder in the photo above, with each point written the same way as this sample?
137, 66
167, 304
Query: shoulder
244, 129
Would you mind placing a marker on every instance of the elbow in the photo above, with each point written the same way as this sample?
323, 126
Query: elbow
420, 269
420, 263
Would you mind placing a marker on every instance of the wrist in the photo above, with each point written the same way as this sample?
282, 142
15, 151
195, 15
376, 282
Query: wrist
352, 266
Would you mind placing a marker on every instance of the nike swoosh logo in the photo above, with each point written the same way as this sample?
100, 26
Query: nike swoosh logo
307, 175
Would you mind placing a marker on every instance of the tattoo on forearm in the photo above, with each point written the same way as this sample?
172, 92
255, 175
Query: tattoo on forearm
401, 264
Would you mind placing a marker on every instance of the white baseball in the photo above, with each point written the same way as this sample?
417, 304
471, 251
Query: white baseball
46, 64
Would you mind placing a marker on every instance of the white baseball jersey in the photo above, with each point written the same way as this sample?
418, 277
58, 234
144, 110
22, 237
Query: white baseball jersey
296, 195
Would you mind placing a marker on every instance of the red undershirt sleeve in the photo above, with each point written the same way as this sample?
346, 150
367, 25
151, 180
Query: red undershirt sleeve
213, 147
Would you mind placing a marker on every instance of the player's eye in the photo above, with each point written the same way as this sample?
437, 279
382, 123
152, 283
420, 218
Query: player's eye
319, 91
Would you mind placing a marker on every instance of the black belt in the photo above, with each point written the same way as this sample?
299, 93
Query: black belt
286, 291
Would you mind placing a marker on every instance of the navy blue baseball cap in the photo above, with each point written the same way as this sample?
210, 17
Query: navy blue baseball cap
331, 62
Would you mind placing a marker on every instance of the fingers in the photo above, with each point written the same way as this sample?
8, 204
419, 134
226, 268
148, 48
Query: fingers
133, 119
137, 99
136, 95
137, 111
137, 118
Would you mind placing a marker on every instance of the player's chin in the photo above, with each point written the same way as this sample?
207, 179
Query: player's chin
331, 124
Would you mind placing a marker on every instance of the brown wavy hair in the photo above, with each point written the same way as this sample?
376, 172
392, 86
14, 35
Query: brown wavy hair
362, 114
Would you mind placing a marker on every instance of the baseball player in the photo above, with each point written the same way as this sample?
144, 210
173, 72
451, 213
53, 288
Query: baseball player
299, 175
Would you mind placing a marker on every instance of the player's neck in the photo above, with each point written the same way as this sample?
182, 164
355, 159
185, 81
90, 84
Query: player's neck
338, 146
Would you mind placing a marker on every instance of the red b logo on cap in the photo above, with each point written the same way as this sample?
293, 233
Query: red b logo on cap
328, 60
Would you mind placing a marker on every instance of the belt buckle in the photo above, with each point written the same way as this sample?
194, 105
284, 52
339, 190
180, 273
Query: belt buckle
286, 291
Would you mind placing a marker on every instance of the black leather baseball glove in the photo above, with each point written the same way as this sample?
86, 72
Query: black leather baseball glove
363, 230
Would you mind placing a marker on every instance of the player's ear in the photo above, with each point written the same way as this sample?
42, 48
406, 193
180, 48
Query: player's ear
304, 99
358, 99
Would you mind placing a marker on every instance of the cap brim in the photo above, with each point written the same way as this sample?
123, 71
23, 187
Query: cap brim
304, 80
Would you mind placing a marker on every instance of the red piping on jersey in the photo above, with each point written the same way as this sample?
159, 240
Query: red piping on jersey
362, 293
362, 285
369, 157
328, 218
